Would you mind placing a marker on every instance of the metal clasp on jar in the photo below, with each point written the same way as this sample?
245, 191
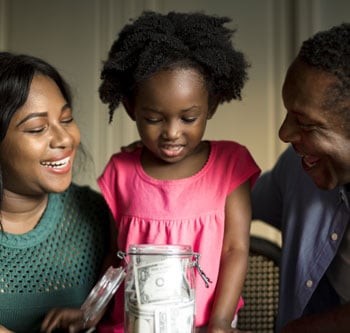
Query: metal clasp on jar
200, 271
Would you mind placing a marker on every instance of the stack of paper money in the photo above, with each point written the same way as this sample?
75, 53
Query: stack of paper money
159, 295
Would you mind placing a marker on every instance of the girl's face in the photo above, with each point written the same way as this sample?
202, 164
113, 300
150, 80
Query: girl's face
37, 153
171, 112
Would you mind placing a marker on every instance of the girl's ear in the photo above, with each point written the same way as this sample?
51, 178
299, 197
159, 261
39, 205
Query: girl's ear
128, 107
212, 110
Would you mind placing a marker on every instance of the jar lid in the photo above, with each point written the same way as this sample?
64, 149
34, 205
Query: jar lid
161, 249
100, 295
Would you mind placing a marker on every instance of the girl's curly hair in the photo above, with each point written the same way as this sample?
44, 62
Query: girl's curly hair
155, 42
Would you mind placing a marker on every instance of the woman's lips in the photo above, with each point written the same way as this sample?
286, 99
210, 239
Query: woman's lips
61, 167
56, 164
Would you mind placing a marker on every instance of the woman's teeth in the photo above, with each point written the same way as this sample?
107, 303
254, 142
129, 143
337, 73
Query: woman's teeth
56, 164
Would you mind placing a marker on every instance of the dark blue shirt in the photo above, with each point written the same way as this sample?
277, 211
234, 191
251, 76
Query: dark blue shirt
312, 222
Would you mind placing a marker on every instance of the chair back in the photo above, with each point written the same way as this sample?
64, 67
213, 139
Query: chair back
261, 287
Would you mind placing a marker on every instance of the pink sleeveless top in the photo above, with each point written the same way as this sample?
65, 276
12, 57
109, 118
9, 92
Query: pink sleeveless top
188, 211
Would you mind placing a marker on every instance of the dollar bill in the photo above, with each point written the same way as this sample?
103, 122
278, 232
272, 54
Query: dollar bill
170, 318
175, 318
161, 281
159, 295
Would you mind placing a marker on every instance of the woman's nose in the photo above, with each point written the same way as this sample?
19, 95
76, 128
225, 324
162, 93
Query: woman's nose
289, 130
60, 138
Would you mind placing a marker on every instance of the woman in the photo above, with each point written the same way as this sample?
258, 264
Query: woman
53, 234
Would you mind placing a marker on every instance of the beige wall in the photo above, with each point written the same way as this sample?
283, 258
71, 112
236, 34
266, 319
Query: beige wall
75, 35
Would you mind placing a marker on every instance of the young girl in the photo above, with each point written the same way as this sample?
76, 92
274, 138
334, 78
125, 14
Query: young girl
170, 72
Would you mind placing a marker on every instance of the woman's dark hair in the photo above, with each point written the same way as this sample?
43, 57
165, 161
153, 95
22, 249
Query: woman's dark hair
16, 75
155, 42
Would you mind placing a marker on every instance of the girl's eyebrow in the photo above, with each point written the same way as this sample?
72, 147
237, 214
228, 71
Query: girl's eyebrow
39, 114
149, 109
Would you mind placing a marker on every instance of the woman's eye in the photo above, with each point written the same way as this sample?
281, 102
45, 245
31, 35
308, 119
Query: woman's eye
67, 120
35, 130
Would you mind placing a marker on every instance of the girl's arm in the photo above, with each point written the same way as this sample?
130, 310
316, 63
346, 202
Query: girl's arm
234, 259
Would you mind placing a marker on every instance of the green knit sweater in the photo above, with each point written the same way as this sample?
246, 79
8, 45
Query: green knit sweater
57, 263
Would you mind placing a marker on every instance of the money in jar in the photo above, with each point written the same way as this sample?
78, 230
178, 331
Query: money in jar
160, 289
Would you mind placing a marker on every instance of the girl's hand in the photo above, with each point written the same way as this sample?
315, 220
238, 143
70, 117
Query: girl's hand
68, 319
230, 330
5, 330
212, 328
225, 330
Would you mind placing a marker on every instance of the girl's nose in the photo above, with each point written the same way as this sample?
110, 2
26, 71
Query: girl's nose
171, 130
289, 130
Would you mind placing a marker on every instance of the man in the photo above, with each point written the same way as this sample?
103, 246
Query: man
307, 194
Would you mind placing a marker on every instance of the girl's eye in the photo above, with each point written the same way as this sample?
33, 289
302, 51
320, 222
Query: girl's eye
189, 120
152, 120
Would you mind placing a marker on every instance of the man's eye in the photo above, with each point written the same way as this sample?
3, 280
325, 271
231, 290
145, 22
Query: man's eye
307, 127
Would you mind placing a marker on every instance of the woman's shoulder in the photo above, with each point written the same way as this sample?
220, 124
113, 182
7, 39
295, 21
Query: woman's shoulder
85, 196
84, 190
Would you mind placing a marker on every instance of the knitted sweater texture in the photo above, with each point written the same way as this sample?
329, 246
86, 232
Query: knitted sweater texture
57, 263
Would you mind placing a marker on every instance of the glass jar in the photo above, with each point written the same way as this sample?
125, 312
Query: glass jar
160, 289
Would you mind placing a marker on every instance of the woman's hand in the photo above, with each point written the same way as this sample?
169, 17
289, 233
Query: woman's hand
5, 330
68, 319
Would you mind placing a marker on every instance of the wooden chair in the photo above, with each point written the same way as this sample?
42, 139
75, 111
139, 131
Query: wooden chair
260, 292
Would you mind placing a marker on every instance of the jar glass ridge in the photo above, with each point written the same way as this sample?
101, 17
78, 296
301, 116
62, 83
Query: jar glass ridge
159, 289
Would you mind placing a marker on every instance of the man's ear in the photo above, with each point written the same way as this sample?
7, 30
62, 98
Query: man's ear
128, 108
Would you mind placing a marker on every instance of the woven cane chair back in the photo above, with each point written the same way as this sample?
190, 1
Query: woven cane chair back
260, 292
